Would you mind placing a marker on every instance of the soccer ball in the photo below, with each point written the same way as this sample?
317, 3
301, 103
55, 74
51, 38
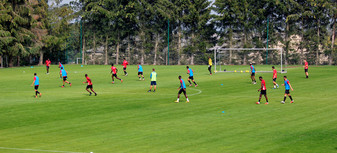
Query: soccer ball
282, 102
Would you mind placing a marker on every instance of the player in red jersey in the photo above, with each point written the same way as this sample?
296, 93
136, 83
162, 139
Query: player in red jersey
89, 86
47, 65
125, 63
274, 78
306, 66
114, 71
263, 90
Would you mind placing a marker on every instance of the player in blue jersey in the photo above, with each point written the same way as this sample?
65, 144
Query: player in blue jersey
36, 84
60, 65
287, 86
190, 72
64, 75
252, 73
140, 71
182, 88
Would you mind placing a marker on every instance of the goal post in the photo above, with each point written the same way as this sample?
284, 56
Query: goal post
78, 59
237, 59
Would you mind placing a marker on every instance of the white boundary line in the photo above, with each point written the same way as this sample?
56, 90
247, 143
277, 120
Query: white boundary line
38, 150
199, 92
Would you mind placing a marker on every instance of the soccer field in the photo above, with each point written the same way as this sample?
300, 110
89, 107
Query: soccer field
221, 117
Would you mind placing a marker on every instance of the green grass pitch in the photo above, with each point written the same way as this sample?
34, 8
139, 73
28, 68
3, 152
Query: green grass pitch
124, 117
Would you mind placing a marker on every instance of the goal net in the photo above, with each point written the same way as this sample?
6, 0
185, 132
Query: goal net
238, 60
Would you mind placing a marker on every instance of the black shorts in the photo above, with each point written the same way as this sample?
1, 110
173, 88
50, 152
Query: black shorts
153, 83
124, 68
89, 86
115, 75
47, 67
274, 79
287, 92
191, 77
140, 73
36, 87
253, 74
65, 78
263, 92
182, 90
305, 70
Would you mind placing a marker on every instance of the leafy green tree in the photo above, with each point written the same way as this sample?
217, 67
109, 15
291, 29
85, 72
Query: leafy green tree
162, 13
197, 20
332, 6
5, 35
40, 25
15, 35
55, 43
226, 21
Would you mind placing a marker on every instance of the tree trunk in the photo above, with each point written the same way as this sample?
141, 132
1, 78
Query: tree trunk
6, 63
318, 41
244, 52
192, 54
106, 50
192, 59
93, 55
83, 45
117, 49
230, 46
10, 61
179, 44
166, 56
155, 50
18, 60
302, 46
41, 58
332, 42
1, 62
129, 52
30, 60
142, 47
286, 44
117, 52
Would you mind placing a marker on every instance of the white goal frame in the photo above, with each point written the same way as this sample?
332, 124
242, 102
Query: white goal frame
222, 50
77, 60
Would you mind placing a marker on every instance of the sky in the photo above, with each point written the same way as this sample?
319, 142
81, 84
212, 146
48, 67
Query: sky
66, 1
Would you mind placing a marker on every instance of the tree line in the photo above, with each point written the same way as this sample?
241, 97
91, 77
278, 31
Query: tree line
163, 31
